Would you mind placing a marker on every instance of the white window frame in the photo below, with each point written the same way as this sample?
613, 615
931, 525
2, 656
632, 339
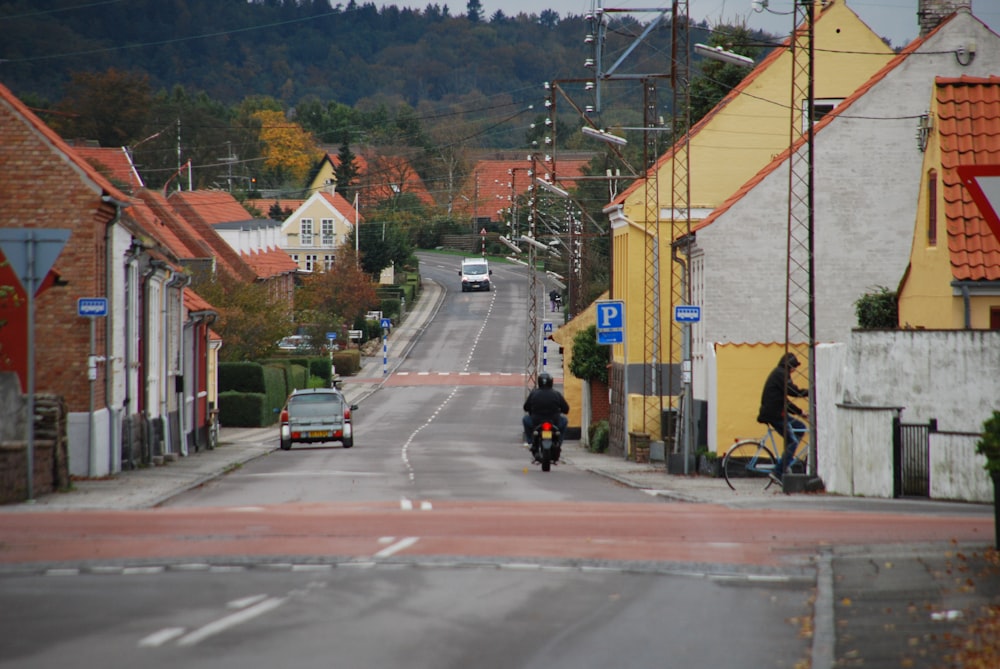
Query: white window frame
306, 232
310, 262
328, 232
328, 261
821, 107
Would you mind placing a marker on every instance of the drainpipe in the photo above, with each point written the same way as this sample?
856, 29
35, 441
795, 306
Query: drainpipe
178, 282
109, 274
203, 318
131, 290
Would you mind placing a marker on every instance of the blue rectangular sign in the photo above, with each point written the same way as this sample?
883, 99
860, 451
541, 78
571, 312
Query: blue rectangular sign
685, 313
92, 307
610, 321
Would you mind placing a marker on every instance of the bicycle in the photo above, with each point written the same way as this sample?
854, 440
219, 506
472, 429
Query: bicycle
752, 460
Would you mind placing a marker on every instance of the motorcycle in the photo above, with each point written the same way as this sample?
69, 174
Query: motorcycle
546, 444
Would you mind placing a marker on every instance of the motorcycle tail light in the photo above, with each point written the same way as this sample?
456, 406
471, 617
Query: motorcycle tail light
546, 426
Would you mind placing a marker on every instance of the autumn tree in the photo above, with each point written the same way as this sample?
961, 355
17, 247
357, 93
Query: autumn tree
251, 319
334, 300
289, 151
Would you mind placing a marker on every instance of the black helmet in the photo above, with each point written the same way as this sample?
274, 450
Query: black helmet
544, 380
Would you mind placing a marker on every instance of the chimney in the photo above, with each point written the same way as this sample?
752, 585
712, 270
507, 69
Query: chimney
930, 13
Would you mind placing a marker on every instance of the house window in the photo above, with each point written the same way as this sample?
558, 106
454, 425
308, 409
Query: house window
326, 227
932, 208
821, 107
995, 318
328, 261
295, 257
306, 232
310, 262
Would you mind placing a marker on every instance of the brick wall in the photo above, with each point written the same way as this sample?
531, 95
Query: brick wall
43, 188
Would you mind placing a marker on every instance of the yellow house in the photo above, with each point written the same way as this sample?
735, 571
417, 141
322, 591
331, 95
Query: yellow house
572, 386
953, 280
318, 229
742, 134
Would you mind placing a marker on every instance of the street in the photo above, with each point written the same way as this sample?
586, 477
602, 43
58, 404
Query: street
434, 542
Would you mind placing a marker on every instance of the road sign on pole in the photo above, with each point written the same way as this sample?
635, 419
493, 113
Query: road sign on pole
686, 313
92, 307
610, 321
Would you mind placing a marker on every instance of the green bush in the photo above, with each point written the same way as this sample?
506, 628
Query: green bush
321, 367
348, 363
989, 444
877, 310
589, 360
238, 409
390, 307
600, 435
245, 377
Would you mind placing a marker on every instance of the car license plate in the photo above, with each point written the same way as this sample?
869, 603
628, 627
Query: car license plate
319, 433
546, 434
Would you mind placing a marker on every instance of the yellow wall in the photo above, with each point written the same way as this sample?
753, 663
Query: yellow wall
572, 386
926, 298
741, 372
751, 129
325, 174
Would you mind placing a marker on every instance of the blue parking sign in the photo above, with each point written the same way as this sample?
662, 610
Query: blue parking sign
610, 321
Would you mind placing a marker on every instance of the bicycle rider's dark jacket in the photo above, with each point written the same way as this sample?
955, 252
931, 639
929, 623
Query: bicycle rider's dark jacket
545, 404
773, 404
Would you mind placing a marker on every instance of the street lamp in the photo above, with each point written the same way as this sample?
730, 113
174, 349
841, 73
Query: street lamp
604, 136
552, 188
718, 53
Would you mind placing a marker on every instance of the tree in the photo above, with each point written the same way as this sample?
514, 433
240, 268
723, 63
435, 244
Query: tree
346, 170
251, 319
289, 151
333, 300
110, 106
381, 244
474, 11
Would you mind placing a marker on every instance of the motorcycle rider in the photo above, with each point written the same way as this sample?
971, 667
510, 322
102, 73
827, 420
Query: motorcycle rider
544, 403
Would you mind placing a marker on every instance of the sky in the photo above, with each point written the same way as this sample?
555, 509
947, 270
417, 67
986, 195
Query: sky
895, 19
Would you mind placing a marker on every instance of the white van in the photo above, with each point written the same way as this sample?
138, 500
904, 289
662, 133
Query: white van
475, 274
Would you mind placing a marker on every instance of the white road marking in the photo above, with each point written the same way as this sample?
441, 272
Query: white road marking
157, 639
245, 602
400, 545
230, 621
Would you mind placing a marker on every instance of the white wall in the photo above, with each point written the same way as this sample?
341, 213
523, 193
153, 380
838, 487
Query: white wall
867, 178
951, 376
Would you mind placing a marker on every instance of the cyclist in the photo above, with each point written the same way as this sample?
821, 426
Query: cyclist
777, 411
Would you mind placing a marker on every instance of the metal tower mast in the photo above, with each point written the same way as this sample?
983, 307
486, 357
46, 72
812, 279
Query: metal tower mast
800, 302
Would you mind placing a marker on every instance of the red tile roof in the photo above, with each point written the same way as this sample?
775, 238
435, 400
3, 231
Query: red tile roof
270, 263
968, 127
113, 163
196, 302
377, 174
187, 207
492, 182
343, 207
211, 206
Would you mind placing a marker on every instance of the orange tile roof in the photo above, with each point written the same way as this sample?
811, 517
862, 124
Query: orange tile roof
377, 173
113, 163
186, 207
270, 263
196, 302
212, 206
489, 188
342, 206
837, 111
968, 127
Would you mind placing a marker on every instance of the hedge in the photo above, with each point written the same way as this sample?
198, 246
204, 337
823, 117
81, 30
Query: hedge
238, 409
347, 362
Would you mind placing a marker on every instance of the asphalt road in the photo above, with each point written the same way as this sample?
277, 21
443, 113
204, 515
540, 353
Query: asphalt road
434, 543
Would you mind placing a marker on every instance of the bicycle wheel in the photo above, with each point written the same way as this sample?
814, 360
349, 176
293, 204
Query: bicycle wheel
748, 462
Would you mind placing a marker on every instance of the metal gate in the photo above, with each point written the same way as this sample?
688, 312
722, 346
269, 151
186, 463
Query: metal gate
911, 458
